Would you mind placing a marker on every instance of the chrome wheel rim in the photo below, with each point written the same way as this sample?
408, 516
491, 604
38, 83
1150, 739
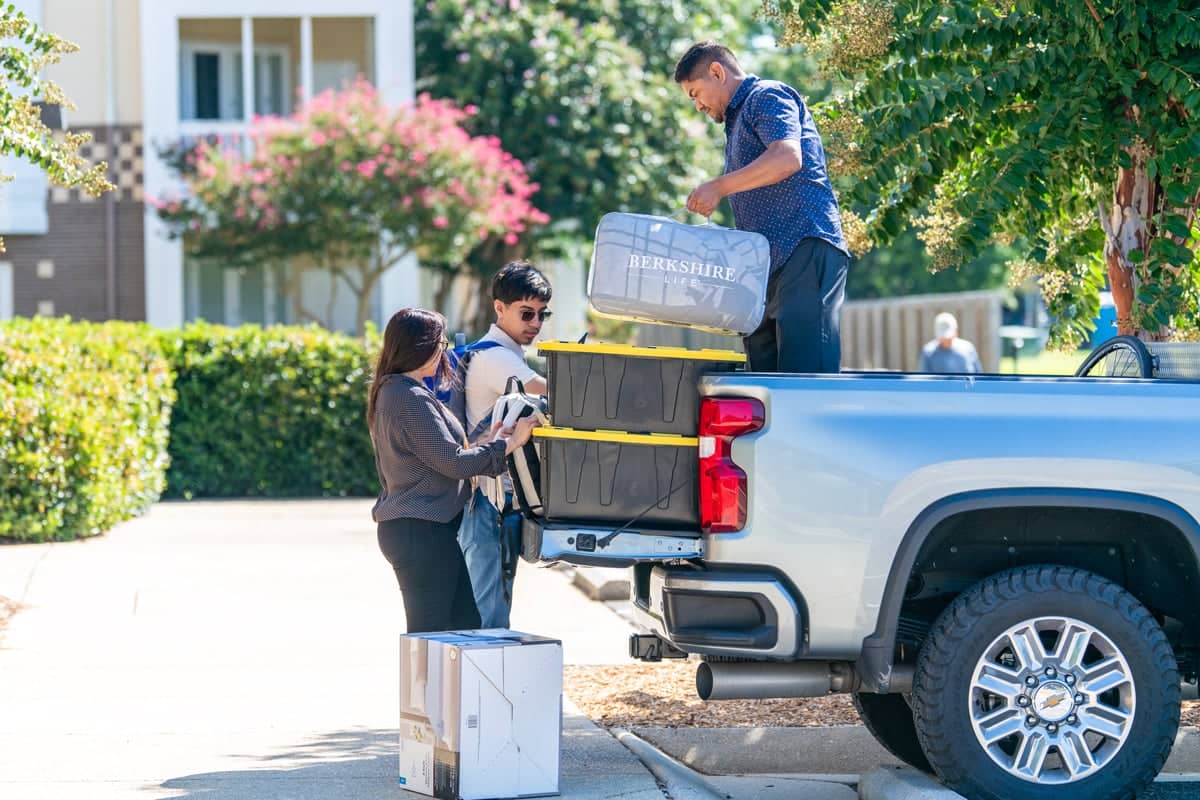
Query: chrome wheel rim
1052, 700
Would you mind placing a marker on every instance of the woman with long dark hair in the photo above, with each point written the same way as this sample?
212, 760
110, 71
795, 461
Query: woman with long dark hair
425, 466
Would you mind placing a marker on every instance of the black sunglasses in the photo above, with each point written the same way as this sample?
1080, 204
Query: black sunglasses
527, 314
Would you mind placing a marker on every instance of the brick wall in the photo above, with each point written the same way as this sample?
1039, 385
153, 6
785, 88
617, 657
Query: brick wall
65, 272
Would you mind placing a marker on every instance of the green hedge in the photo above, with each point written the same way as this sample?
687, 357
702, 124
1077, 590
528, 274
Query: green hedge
84, 410
268, 412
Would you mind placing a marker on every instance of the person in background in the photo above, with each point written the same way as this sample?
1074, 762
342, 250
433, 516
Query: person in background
425, 470
490, 535
776, 182
948, 354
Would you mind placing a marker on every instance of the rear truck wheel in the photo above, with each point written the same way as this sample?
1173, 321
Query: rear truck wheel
889, 718
1046, 683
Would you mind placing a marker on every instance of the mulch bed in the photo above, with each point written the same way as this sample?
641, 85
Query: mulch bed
663, 695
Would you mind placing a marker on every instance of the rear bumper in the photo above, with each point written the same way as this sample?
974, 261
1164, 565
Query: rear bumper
598, 547
734, 614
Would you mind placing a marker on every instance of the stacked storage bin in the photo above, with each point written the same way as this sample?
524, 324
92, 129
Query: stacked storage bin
623, 445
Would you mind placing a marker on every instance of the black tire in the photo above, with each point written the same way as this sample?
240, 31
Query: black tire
1119, 357
944, 698
889, 718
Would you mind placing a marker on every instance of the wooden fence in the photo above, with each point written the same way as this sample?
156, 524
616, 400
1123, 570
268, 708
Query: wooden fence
879, 334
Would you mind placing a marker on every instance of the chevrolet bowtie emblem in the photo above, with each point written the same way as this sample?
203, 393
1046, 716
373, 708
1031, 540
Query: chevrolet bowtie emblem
1054, 700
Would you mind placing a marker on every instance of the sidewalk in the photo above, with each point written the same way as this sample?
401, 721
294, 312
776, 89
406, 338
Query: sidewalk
241, 650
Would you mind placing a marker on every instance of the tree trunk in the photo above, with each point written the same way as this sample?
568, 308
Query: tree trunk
487, 259
442, 293
485, 313
291, 278
1135, 197
369, 277
362, 307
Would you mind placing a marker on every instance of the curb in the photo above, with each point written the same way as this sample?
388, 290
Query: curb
680, 782
902, 783
602, 583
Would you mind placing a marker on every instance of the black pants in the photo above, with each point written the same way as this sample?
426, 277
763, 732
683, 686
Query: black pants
432, 574
800, 331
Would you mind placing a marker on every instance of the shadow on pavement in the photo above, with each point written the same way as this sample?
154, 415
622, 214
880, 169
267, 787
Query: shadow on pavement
343, 764
362, 763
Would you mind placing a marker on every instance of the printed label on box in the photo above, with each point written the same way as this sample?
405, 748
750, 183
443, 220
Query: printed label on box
416, 756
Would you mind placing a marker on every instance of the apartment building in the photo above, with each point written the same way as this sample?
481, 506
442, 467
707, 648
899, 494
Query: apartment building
152, 74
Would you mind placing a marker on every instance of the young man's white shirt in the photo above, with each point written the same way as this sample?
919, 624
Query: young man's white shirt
487, 377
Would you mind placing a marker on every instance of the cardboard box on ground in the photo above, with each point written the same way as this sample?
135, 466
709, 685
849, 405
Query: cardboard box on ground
480, 714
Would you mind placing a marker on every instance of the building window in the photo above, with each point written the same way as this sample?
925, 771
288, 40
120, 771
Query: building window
291, 58
343, 50
210, 69
211, 62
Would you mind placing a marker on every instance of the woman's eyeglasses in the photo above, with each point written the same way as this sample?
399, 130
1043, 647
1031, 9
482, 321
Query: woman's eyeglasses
528, 314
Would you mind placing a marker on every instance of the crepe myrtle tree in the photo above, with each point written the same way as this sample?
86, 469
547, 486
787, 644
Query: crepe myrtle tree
25, 50
594, 118
352, 185
1071, 130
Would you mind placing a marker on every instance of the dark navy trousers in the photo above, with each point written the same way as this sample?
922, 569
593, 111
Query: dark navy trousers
800, 331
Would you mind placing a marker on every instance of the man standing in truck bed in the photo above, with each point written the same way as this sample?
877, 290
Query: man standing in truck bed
776, 182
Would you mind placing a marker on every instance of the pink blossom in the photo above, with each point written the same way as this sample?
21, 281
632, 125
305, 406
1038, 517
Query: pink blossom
440, 222
318, 139
367, 169
510, 239
346, 166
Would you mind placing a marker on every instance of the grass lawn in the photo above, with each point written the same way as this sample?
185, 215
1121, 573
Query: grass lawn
1045, 363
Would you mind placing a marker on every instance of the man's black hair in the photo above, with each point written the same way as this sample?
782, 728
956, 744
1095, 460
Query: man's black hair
700, 55
520, 280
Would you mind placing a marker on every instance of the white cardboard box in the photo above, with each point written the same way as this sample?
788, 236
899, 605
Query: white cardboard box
480, 714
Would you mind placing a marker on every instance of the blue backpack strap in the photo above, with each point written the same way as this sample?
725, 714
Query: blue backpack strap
454, 397
457, 356
482, 344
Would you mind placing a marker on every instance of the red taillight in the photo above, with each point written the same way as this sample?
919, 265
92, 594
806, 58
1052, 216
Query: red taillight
722, 482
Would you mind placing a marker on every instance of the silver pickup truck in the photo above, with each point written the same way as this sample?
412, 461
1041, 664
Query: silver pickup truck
1005, 572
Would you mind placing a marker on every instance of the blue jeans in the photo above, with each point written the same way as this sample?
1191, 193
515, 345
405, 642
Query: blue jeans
490, 544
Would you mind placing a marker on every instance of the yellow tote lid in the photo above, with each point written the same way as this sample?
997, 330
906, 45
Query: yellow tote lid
617, 437
608, 349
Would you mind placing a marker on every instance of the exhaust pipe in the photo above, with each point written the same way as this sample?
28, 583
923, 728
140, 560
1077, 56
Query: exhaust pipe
761, 680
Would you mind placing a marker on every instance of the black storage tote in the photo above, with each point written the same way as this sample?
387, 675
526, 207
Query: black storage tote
634, 389
618, 478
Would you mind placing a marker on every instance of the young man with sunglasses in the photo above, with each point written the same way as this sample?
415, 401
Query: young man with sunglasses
491, 537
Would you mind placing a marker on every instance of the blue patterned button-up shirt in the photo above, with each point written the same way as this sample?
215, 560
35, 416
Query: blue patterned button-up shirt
801, 206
